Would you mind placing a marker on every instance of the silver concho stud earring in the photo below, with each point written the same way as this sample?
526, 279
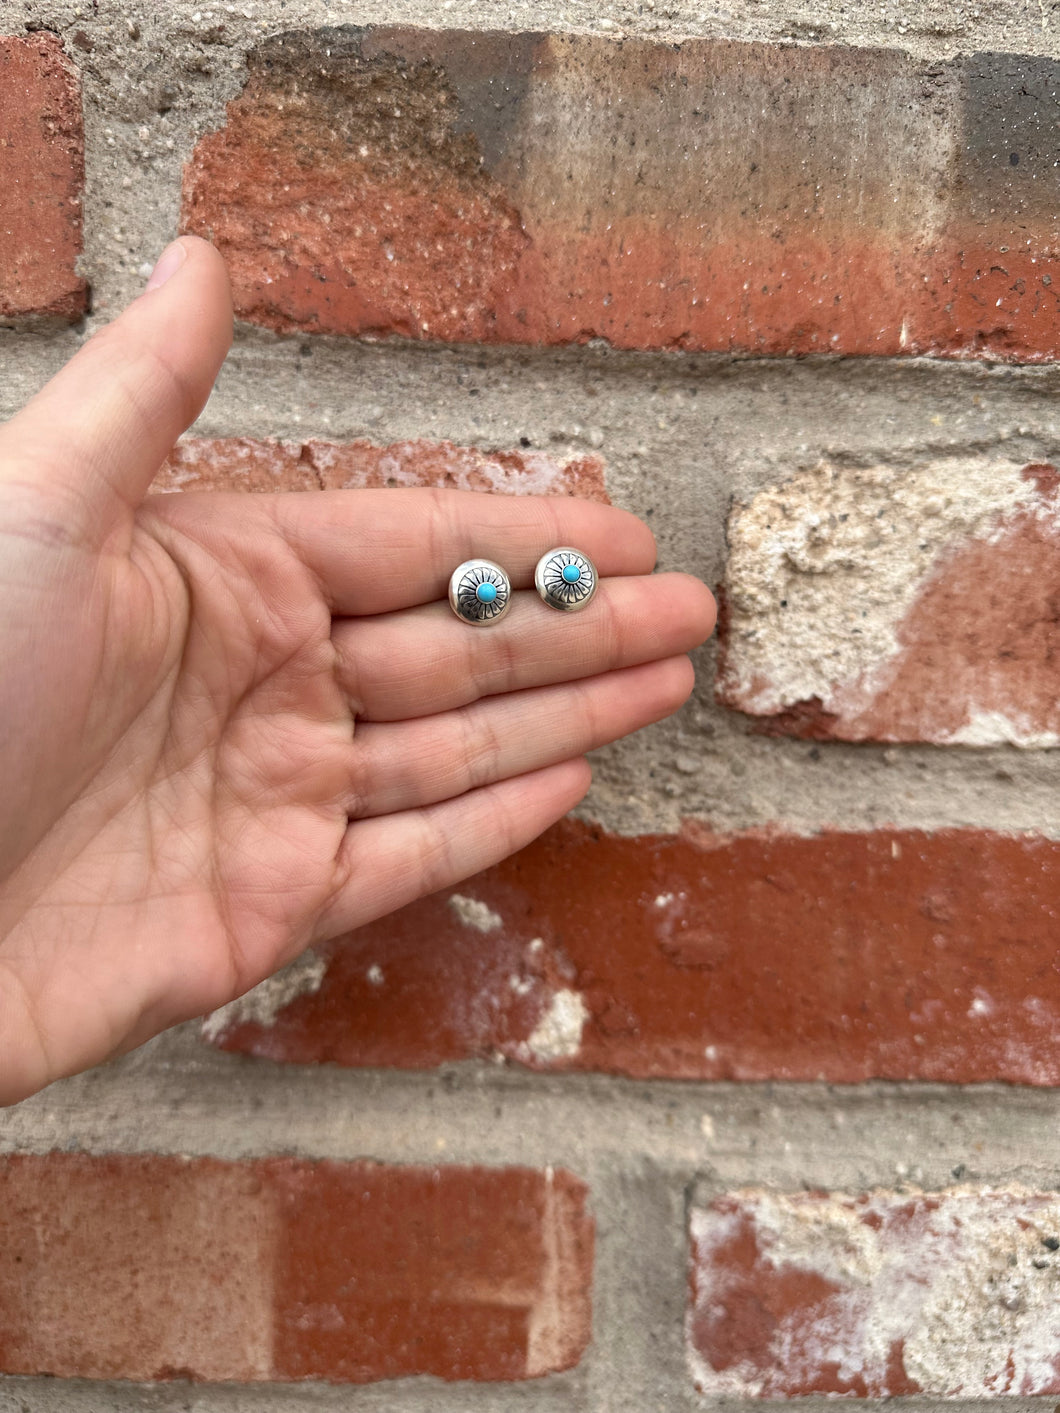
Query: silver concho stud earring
565, 579
480, 591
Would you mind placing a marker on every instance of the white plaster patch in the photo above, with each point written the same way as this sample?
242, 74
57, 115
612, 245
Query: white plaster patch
473, 913
402, 464
194, 460
995, 728
823, 569
264, 1002
558, 1034
176, 481
962, 1281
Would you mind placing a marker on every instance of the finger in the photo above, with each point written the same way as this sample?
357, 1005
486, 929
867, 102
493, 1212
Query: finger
98, 432
426, 660
376, 551
387, 862
402, 766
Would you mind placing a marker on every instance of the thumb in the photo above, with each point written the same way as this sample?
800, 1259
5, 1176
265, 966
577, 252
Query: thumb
93, 438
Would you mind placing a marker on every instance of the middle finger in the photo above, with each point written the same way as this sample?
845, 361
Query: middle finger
422, 660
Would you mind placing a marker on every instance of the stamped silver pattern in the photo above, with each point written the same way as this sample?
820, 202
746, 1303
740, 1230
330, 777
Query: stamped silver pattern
480, 592
565, 578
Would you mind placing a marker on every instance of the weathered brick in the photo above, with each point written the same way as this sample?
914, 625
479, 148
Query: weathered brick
888, 604
838, 956
158, 1267
951, 1294
707, 194
248, 464
42, 163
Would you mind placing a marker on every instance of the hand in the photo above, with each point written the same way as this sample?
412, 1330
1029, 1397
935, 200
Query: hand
186, 805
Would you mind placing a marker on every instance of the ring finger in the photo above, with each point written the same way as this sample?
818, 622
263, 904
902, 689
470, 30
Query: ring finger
405, 765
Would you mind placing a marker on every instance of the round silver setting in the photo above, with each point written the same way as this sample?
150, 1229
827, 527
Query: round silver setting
465, 599
564, 591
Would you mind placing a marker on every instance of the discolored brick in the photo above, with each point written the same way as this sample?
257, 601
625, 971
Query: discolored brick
946, 1294
250, 464
42, 177
155, 1267
894, 954
888, 603
707, 194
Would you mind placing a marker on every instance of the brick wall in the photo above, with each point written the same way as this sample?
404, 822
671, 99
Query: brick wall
740, 1084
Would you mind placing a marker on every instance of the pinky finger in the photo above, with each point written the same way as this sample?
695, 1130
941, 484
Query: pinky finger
391, 860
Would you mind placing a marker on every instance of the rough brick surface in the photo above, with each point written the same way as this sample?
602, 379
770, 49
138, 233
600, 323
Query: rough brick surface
248, 464
950, 1294
41, 178
891, 604
896, 954
709, 195
162, 1267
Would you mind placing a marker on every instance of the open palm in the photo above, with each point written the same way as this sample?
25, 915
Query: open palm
187, 804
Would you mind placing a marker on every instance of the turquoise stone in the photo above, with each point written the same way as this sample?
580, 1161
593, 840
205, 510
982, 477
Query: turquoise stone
486, 593
571, 573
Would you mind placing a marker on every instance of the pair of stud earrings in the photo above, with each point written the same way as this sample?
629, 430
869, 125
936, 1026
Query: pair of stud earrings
480, 592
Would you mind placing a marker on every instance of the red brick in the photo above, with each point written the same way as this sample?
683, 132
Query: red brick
246, 464
164, 1267
42, 174
883, 604
947, 1294
837, 956
735, 197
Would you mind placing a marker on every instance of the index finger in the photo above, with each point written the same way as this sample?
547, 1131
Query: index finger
374, 551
